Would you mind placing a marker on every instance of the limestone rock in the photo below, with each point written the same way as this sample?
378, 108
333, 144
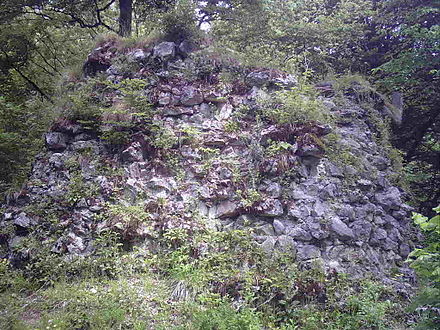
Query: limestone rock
334, 170
317, 231
404, 250
390, 199
165, 98
270, 208
137, 55
82, 137
265, 229
56, 141
186, 47
23, 220
299, 211
341, 229
279, 227
177, 111
287, 81
362, 230
314, 205
378, 235
75, 244
258, 78
299, 234
306, 252
286, 244
15, 242
269, 244
132, 154
57, 160
164, 50
271, 78
225, 111
191, 96
227, 209
272, 189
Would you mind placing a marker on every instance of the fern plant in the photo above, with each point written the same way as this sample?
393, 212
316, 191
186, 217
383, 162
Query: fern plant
427, 265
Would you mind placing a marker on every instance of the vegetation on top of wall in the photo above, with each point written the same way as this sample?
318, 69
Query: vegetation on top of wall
298, 105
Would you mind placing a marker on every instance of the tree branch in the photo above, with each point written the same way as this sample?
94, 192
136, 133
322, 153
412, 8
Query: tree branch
81, 22
34, 85
44, 69
45, 61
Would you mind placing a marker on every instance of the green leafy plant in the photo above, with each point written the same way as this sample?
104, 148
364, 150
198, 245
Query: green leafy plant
232, 126
297, 105
426, 262
81, 102
127, 219
222, 316
277, 147
189, 135
249, 197
78, 189
134, 95
19, 143
115, 138
163, 138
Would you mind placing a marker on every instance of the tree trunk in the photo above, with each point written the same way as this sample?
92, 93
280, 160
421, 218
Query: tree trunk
125, 17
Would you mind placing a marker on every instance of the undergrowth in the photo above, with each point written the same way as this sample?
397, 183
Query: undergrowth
185, 279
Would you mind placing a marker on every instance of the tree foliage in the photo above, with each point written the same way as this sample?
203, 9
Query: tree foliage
411, 66
21, 128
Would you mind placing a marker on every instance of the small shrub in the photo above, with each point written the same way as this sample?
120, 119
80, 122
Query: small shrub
277, 147
189, 135
128, 219
232, 126
134, 95
249, 197
78, 189
297, 105
427, 264
163, 137
21, 128
340, 154
179, 23
115, 138
80, 102
223, 316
